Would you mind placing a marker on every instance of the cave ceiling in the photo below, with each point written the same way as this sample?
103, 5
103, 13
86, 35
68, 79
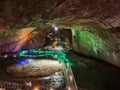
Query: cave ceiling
95, 24
106, 12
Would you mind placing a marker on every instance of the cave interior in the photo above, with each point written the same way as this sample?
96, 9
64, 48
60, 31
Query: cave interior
87, 31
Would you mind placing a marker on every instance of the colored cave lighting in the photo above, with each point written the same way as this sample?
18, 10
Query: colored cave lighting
55, 28
34, 53
86, 38
23, 62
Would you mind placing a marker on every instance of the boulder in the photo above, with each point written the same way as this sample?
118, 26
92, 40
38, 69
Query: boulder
35, 68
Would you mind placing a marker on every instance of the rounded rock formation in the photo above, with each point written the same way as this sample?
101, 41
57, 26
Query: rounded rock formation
35, 68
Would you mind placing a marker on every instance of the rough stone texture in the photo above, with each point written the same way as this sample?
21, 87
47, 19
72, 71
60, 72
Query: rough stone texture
106, 10
15, 10
25, 38
35, 68
13, 41
95, 42
93, 38
70, 14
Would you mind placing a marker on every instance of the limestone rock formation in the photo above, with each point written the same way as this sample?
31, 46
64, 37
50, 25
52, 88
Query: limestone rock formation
95, 24
17, 9
24, 38
93, 38
35, 68
93, 41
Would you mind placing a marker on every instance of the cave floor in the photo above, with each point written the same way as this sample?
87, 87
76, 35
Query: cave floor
90, 74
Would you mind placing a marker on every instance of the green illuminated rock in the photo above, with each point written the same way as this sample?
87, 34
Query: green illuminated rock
95, 42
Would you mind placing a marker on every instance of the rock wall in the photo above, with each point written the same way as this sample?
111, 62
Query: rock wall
93, 37
97, 42
15, 10
100, 43
24, 38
